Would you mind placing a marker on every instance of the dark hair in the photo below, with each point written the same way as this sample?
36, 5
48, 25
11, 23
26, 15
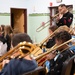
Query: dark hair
53, 28
63, 35
20, 37
2, 39
62, 5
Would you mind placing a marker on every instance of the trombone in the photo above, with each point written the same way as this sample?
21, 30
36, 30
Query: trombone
40, 28
38, 50
37, 58
61, 28
22, 45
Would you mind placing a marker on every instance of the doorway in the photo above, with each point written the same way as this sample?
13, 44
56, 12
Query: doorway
19, 19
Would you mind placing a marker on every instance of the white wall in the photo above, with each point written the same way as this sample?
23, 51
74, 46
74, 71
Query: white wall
4, 20
32, 6
40, 6
5, 5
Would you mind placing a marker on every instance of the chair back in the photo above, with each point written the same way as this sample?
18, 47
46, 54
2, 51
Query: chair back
68, 66
37, 71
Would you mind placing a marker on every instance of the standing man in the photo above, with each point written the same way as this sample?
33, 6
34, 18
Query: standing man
64, 17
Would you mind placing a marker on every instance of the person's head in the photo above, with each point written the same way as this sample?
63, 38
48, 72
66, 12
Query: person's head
62, 8
62, 37
52, 29
8, 30
2, 27
20, 37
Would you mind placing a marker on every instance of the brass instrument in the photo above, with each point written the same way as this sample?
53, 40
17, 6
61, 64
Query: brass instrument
13, 53
49, 51
40, 28
72, 30
52, 17
28, 46
21, 46
61, 28
44, 58
38, 49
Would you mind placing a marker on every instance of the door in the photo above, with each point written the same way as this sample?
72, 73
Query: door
19, 20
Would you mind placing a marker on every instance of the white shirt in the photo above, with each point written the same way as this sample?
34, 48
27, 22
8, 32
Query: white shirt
3, 48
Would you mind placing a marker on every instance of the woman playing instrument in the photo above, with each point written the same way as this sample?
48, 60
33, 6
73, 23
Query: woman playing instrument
58, 56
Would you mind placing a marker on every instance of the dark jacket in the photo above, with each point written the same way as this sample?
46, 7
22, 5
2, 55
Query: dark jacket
56, 66
18, 67
50, 43
65, 20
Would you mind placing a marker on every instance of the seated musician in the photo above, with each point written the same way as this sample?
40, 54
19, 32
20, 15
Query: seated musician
72, 32
51, 41
18, 66
58, 57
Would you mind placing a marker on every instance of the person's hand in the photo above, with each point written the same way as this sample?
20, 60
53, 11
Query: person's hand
60, 16
51, 55
5, 62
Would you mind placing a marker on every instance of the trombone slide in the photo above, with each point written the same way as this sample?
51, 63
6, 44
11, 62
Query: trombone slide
39, 56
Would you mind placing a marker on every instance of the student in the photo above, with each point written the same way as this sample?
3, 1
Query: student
58, 57
64, 17
21, 65
51, 41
